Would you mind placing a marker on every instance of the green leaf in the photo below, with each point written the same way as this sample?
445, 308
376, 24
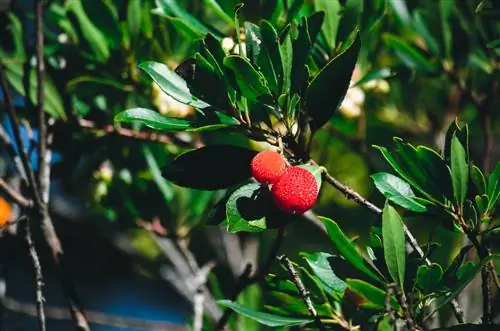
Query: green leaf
210, 168
251, 83
327, 90
373, 13
346, 248
153, 120
481, 203
374, 295
321, 267
394, 243
246, 209
374, 74
459, 170
397, 190
429, 276
183, 27
95, 38
171, 83
134, 19
264, 318
445, 10
172, 8
286, 50
409, 55
164, 186
332, 10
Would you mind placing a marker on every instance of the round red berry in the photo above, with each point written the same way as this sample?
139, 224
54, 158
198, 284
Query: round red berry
296, 191
268, 166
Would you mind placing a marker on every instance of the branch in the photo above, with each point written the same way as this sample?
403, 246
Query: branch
94, 317
304, 293
38, 276
15, 196
40, 66
245, 279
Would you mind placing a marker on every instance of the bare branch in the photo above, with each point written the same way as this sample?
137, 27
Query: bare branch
15, 196
304, 293
38, 276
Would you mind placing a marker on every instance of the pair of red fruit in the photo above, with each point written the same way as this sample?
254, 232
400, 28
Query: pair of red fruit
294, 189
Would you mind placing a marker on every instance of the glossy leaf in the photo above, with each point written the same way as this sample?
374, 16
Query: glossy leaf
346, 248
217, 9
250, 82
319, 264
397, 190
327, 90
153, 120
264, 318
332, 10
478, 179
171, 83
270, 58
459, 170
394, 243
210, 168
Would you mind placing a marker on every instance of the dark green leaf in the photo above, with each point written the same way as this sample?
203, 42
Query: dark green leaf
477, 178
183, 27
373, 13
210, 168
269, 60
251, 83
171, 83
397, 190
327, 90
264, 318
346, 248
420, 26
409, 55
459, 171
394, 243
429, 277
481, 203
321, 267
286, 50
217, 9
134, 18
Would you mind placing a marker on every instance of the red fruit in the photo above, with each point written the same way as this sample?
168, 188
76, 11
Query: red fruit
268, 166
296, 191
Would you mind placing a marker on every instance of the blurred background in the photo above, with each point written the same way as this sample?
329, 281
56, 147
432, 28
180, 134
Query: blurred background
135, 242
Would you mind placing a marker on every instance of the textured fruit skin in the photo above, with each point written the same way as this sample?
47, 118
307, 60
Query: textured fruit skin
267, 167
296, 191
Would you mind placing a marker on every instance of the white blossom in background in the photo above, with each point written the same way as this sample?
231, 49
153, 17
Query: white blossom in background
63, 38
352, 104
227, 44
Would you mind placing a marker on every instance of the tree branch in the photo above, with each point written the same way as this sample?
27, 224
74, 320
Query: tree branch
304, 293
38, 276
15, 196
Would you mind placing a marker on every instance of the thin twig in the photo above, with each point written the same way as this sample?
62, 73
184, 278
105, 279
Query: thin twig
304, 293
15, 196
40, 66
9, 146
245, 280
38, 276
